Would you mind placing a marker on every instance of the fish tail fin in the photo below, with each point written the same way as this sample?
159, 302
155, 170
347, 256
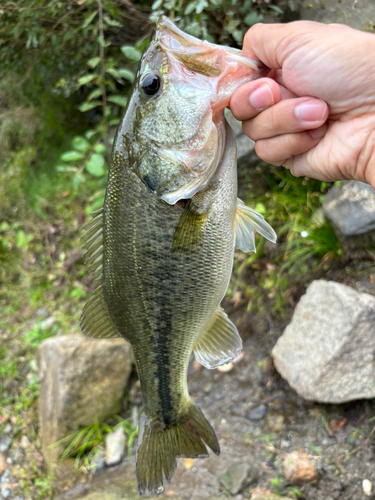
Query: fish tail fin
160, 445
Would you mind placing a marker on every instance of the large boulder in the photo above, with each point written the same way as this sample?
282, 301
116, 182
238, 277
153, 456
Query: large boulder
82, 381
327, 352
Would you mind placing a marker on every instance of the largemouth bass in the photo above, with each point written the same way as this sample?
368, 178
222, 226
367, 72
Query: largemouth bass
162, 246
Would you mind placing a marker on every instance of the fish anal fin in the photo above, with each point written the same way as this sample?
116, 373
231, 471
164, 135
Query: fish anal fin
220, 343
247, 221
95, 320
188, 232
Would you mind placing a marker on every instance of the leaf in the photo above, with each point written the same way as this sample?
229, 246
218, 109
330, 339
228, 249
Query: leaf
118, 99
95, 165
71, 156
131, 53
83, 80
94, 94
276, 8
156, 4
65, 168
189, 8
89, 19
93, 62
127, 74
253, 18
86, 106
80, 144
99, 148
113, 72
202, 4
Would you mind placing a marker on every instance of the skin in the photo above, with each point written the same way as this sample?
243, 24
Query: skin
315, 113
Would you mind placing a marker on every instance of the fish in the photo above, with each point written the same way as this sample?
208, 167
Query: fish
162, 246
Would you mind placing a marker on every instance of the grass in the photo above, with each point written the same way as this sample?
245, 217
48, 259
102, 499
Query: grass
86, 442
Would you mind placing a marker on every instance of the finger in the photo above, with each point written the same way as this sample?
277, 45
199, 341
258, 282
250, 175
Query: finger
272, 43
278, 150
252, 97
285, 117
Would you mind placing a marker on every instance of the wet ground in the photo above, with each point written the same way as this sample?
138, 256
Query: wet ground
257, 419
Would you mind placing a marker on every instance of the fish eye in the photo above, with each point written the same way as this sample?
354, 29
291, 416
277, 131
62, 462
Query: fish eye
150, 84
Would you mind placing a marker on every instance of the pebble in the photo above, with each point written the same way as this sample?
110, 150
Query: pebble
367, 487
236, 477
225, 368
298, 468
7, 429
258, 413
97, 462
275, 421
5, 442
115, 447
207, 386
47, 323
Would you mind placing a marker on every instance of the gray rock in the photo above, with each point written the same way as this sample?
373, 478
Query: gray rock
258, 413
327, 352
358, 14
82, 381
350, 207
236, 477
115, 447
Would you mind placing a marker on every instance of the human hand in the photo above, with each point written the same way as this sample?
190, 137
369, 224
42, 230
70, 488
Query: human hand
315, 113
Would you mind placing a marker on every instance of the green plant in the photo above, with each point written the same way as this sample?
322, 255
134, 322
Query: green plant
84, 443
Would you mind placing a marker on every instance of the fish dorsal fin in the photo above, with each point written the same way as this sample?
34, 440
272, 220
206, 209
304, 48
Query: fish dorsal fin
188, 231
95, 319
93, 243
247, 221
220, 343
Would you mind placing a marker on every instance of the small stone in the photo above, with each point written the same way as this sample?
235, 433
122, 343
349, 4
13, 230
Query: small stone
97, 462
207, 386
285, 443
225, 368
236, 477
298, 468
47, 323
24, 442
258, 413
275, 421
5, 442
189, 463
367, 487
3, 463
115, 447
7, 429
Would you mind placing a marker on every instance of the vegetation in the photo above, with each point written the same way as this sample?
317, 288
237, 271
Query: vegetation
66, 72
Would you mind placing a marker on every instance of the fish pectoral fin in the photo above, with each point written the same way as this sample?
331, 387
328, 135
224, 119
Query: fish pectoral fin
188, 232
95, 320
93, 243
247, 221
220, 343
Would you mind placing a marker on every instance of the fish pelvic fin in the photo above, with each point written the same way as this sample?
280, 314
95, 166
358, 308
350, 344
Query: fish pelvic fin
159, 446
220, 343
189, 230
247, 221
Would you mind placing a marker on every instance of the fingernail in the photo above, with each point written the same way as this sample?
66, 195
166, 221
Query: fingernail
262, 97
310, 111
